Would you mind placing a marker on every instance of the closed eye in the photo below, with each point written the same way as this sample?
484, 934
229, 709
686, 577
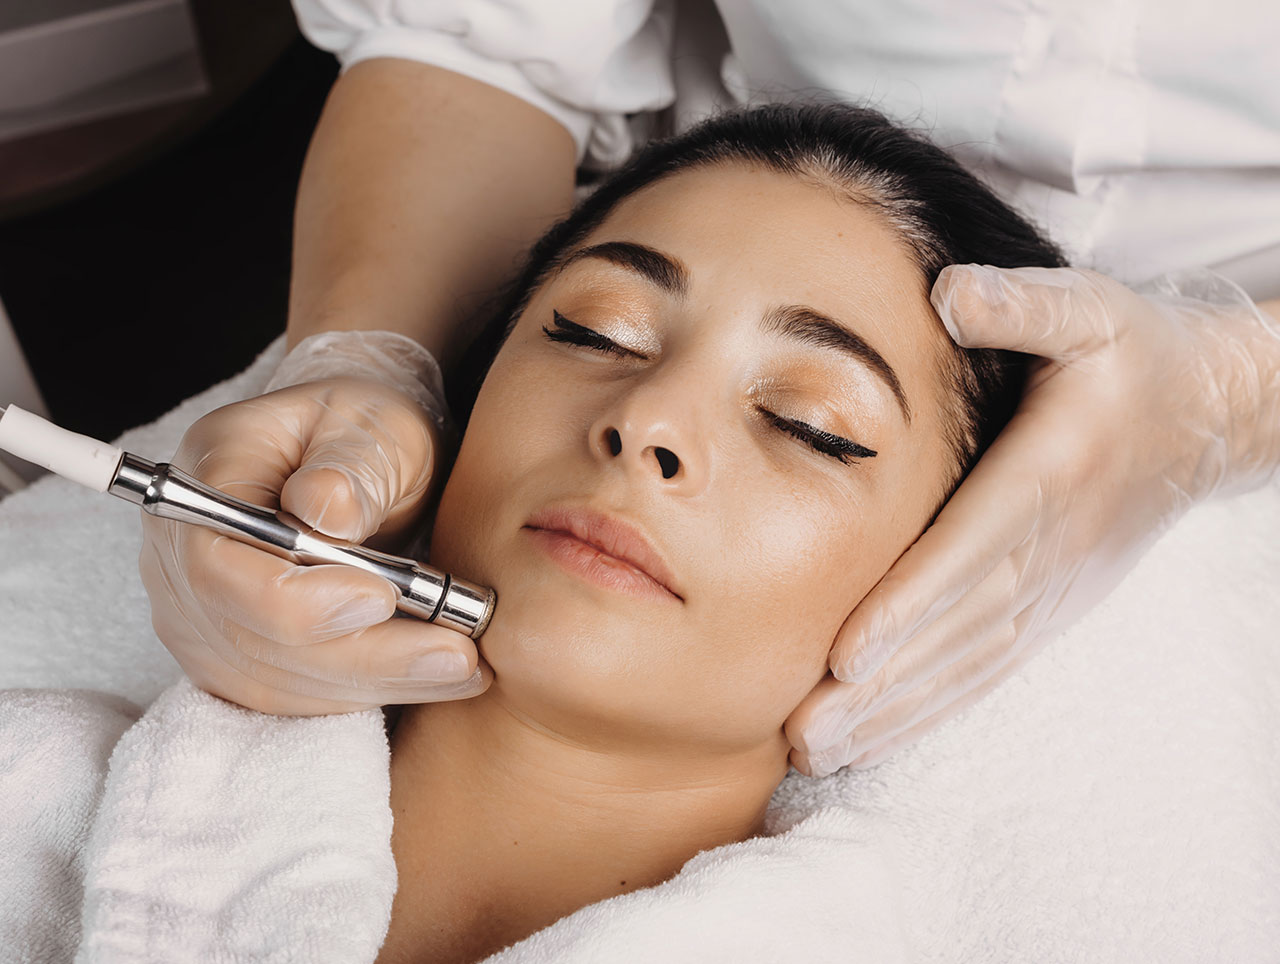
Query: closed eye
575, 334
836, 446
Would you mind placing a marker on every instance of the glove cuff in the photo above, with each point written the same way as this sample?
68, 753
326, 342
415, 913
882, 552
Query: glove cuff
1203, 285
1241, 352
383, 356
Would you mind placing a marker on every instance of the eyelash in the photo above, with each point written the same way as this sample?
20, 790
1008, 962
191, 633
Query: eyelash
835, 446
838, 447
567, 331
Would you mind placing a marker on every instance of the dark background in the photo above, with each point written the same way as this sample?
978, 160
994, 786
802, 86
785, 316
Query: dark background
166, 270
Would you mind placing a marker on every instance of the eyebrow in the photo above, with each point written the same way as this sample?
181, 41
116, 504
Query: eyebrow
799, 322
805, 324
658, 268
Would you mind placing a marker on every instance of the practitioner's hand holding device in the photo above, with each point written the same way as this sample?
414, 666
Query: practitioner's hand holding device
1142, 407
347, 440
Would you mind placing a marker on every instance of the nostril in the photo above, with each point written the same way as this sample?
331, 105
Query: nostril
667, 459
614, 440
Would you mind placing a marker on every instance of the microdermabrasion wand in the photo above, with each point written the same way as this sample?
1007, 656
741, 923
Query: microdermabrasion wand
170, 493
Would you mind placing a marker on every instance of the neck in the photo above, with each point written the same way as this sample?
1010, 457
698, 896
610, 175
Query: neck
502, 827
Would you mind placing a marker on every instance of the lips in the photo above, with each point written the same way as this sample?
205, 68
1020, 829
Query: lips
610, 536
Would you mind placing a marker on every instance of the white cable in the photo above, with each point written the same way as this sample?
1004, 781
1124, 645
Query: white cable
76, 457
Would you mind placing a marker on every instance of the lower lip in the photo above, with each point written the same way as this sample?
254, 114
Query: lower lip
594, 566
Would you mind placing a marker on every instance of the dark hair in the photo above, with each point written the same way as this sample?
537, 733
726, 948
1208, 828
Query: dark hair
944, 213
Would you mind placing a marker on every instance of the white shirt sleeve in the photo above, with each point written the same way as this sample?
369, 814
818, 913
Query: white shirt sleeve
587, 63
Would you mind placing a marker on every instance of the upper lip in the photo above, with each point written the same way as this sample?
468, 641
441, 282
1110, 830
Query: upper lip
611, 536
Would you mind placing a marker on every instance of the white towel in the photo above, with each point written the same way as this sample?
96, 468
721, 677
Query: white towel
228, 835
54, 746
1117, 800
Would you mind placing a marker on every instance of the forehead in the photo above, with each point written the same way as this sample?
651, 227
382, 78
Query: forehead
788, 226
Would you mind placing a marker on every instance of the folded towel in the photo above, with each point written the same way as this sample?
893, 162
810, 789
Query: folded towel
227, 835
54, 747
1117, 800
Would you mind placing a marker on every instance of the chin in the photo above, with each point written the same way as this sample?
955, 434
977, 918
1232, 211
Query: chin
579, 659
538, 631
576, 668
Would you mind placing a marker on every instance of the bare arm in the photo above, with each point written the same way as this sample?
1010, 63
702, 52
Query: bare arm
421, 189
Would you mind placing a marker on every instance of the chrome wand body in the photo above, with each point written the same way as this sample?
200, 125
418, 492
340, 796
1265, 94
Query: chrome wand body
170, 493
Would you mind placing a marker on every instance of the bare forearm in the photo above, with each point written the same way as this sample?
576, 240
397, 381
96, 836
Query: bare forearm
420, 191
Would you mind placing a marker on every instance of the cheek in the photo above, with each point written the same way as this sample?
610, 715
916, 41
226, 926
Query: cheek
499, 434
791, 566
798, 561
519, 409
517, 415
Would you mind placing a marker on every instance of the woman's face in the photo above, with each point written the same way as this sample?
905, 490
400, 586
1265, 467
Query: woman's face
713, 367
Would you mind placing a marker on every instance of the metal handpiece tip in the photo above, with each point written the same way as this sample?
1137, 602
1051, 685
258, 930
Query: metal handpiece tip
483, 622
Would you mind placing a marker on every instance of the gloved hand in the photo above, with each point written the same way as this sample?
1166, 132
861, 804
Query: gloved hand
350, 449
1139, 408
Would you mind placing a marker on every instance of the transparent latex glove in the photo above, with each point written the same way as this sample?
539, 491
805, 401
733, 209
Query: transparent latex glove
1139, 407
349, 448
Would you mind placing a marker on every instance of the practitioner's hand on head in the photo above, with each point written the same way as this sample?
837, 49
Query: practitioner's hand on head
353, 457
1142, 407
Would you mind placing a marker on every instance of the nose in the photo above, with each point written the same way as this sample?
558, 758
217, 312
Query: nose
648, 437
668, 461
